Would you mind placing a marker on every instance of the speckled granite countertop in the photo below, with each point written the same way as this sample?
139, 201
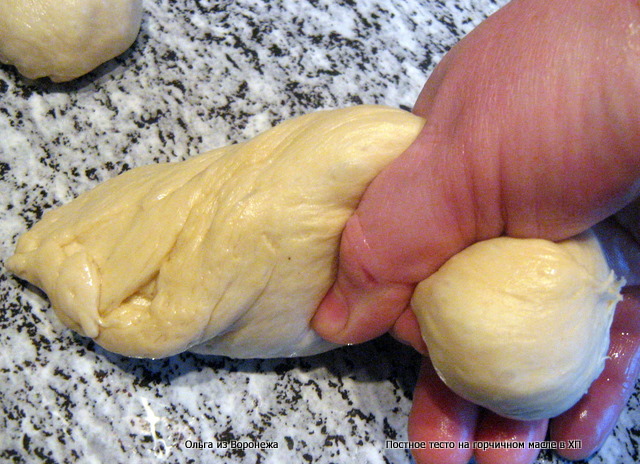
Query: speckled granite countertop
204, 74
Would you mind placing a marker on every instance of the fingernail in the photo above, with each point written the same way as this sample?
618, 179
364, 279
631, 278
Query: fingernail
331, 317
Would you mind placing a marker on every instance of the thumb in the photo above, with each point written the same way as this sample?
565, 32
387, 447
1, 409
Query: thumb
359, 306
409, 221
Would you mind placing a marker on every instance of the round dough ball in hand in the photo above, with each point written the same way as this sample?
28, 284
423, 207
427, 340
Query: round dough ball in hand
520, 326
64, 39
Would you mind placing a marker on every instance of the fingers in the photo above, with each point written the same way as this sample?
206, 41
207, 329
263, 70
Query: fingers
593, 418
352, 313
494, 428
439, 415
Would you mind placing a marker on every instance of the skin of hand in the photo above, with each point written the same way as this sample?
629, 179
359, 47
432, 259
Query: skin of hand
533, 130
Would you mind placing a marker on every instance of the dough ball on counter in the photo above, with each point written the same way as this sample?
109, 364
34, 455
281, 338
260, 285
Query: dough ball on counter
227, 253
64, 39
520, 326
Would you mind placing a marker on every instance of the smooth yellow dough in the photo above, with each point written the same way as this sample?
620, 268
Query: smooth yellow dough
226, 253
230, 253
64, 39
520, 326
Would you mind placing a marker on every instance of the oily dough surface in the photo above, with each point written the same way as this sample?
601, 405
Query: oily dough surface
520, 326
227, 253
64, 39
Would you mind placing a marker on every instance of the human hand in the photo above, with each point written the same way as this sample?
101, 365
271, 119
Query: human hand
532, 131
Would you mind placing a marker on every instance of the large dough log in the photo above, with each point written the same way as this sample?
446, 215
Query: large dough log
226, 253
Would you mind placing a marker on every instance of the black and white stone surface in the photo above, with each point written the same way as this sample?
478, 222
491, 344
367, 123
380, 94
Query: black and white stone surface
203, 74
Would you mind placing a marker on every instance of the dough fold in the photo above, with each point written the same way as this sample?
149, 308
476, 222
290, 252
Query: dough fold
227, 253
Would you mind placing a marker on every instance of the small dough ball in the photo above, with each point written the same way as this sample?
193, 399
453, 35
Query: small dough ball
520, 326
64, 39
